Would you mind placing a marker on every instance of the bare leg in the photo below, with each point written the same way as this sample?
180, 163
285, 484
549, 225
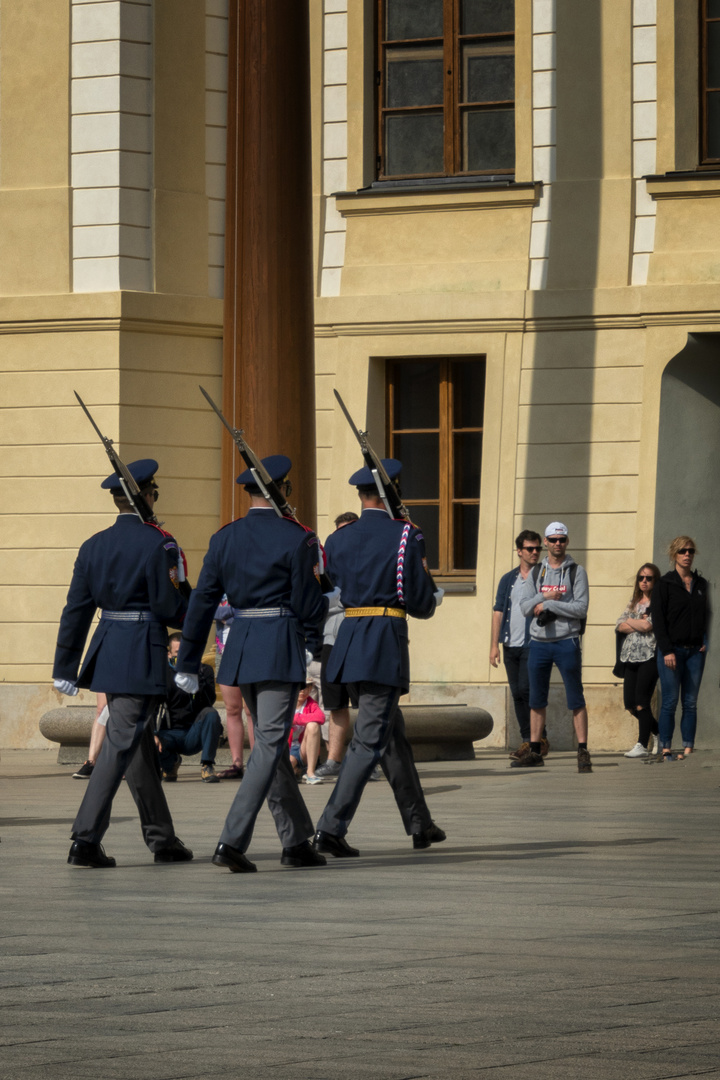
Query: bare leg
97, 736
580, 720
537, 724
310, 747
232, 697
338, 726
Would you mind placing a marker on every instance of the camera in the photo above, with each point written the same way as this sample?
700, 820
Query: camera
546, 617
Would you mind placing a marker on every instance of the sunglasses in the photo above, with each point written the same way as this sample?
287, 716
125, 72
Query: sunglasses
686, 551
646, 577
557, 539
533, 548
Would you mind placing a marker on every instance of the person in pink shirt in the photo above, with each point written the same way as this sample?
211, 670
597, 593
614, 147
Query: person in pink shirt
304, 737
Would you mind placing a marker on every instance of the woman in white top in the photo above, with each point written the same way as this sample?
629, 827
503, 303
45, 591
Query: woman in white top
638, 657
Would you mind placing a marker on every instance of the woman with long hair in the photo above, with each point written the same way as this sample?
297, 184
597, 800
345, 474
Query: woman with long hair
637, 654
681, 615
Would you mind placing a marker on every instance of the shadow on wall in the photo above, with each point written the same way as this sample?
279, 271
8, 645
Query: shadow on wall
686, 495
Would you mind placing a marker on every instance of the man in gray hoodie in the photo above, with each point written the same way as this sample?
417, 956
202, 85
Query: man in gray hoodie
556, 595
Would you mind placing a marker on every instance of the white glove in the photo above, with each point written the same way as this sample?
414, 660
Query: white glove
188, 683
65, 687
308, 658
438, 594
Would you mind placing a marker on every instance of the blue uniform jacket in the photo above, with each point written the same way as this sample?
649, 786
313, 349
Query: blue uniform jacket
260, 561
362, 560
129, 567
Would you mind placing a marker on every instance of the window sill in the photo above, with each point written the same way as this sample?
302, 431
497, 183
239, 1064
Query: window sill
688, 185
455, 587
432, 196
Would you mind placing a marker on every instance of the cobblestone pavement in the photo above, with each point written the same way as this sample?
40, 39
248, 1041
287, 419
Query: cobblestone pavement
568, 928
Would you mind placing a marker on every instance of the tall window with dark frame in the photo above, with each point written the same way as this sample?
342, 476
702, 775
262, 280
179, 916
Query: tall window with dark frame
446, 88
710, 82
435, 426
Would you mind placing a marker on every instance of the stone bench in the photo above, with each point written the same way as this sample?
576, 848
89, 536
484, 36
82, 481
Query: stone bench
436, 732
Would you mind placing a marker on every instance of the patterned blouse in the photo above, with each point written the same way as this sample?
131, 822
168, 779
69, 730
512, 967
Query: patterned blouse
638, 645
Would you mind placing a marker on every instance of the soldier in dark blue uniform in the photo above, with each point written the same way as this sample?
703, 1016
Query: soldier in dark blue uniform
269, 568
379, 565
130, 571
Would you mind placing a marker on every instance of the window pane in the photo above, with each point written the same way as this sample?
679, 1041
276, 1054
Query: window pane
414, 77
414, 144
713, 54
414, 19
420, 477
417, 391
488, 140
487, 76
487, 16
426, 518
467, 454
713, 9
465, 537
713, 125
468, 393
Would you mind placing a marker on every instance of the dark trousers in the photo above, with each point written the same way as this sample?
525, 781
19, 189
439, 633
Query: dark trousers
398, 764
128, 750
515, 659
269, 774
203, 736
639, 683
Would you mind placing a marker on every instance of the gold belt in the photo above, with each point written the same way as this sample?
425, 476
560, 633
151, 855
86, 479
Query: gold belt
395, 612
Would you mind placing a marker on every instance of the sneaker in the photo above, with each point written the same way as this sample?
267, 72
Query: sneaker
312, 779
376, 774
235, 772
544, 747
638, 750
330, 768
208, 774
84, 772
584, 762
530, 760
522, 750
171, 775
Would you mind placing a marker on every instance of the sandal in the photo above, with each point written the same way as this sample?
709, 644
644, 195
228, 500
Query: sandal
235, 772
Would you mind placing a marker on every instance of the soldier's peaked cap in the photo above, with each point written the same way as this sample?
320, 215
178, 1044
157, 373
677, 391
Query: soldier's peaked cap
141, 471
277, 465
364, 477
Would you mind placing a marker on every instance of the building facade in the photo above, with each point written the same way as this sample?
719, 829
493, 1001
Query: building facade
516, 270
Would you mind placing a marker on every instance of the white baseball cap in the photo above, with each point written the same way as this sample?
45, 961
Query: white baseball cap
556, 528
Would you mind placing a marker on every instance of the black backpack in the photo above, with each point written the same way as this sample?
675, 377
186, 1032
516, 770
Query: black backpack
573, 571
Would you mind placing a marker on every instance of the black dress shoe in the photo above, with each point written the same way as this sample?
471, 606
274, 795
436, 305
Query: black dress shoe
233, 859
432, 835
334, 845
84, 854
302, 855
177, 852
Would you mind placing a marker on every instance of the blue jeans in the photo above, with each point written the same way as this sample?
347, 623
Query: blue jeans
567, 656
204, 735
683, 680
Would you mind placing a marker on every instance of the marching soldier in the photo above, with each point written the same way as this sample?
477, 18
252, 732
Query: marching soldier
268, 566
379, 565
132, 572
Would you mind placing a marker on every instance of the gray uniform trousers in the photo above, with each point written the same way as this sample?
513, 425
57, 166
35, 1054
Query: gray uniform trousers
379, 736
269, 774
129, 750
398, 764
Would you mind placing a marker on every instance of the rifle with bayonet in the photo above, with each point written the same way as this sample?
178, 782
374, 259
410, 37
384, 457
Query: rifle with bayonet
132, 493
387, 491
266, 484
127, 480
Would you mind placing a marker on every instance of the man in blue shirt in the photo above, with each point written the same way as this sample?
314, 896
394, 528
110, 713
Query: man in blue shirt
512, 628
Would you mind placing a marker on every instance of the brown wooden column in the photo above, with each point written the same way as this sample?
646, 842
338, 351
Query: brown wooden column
268, 366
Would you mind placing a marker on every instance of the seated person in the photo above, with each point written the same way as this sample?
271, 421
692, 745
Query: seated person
304, 737
188, 722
